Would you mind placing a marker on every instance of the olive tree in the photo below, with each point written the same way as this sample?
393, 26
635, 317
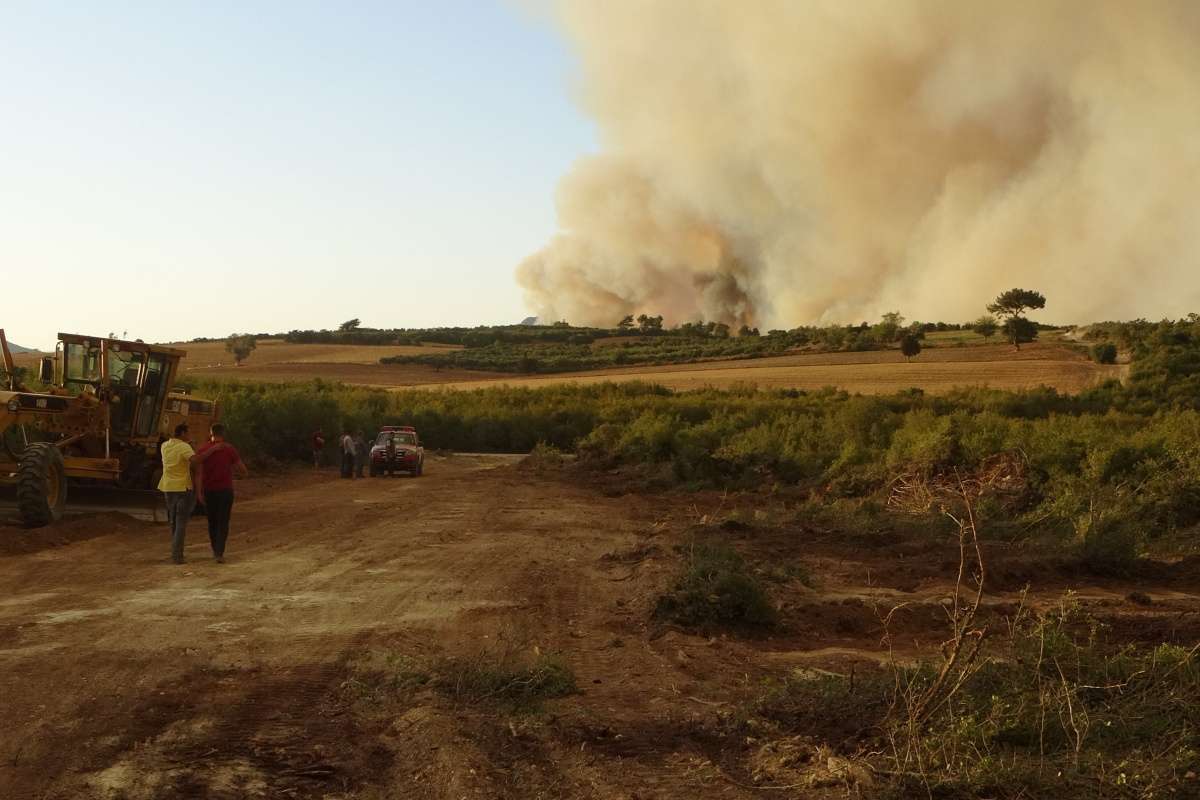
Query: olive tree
240, 345
986, 326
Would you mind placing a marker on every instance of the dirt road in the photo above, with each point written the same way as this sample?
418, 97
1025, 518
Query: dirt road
123, 676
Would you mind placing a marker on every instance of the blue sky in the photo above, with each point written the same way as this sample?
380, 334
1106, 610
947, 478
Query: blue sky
183, 169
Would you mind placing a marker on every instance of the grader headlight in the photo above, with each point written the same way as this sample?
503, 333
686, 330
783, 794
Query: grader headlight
14, 405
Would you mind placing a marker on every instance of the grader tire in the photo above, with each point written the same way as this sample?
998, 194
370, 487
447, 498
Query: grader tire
41, 485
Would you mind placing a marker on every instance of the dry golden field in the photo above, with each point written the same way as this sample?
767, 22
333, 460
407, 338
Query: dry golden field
872, 372
936, 369
206, 355
277, 360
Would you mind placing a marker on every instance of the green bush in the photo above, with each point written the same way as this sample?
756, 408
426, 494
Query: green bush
1056, 701
716, 591
1112, 545
1105, 353
1086, 457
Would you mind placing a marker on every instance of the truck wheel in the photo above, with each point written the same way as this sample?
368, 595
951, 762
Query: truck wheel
41, 485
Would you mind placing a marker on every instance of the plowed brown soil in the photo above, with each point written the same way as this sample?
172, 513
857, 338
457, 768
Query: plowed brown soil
123, 676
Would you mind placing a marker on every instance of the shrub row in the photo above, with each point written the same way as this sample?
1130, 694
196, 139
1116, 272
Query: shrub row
1106, 475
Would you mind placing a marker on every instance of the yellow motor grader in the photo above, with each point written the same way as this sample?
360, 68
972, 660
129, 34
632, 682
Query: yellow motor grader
106, 409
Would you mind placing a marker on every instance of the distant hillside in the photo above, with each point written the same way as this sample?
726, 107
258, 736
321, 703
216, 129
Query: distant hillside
16, 348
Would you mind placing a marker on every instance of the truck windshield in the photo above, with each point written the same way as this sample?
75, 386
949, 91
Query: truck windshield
399, 437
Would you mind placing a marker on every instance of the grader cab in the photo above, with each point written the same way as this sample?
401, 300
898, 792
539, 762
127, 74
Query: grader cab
104, 409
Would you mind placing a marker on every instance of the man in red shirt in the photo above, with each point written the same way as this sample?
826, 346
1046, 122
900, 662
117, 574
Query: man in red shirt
219, 460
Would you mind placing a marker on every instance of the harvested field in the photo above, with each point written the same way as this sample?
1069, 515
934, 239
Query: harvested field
870, 372
202, 355
279, 361
308, 666
936, 369
388, 376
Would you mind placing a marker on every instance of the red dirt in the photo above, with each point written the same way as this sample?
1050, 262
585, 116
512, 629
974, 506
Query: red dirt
124, 676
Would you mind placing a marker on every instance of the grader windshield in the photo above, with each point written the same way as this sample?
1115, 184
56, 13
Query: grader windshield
134, 374
82, 365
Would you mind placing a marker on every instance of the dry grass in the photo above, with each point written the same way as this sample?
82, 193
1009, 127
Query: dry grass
873, 372
277, 360
277, 351
936, 370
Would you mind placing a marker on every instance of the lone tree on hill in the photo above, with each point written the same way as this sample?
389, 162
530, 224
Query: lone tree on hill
910, 346
1012, 306
350, 325
626, 322
986, 326
240, 345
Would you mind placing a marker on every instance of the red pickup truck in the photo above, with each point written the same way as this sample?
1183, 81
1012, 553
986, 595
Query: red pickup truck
397, 449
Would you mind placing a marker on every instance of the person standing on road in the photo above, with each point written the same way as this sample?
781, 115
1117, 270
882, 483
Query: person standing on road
390, 454
347, 454
219, 460
178, 487
361, 453
318, 444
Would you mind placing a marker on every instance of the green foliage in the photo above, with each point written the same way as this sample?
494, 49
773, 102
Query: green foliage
240, 345
646, 323
716, 591
1111, 545
572, 355
1012, 305
19, 376
381, 677
1015, 302
350, 325
986, 326
506, 679
544, 458
1019, 330
1112, 453
1105, 353
888, 329
910, 346
1057, 701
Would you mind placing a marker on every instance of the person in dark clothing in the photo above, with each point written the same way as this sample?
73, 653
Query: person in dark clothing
362, 454
318, 444
390, 456
218, 461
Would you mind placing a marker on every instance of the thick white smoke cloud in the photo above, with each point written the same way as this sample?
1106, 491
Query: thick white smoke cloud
783, 162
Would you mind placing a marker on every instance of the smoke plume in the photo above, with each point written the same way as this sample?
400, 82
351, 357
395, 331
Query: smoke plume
785, 162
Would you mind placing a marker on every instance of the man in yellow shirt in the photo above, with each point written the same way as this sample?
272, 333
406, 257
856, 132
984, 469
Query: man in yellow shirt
178, 487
